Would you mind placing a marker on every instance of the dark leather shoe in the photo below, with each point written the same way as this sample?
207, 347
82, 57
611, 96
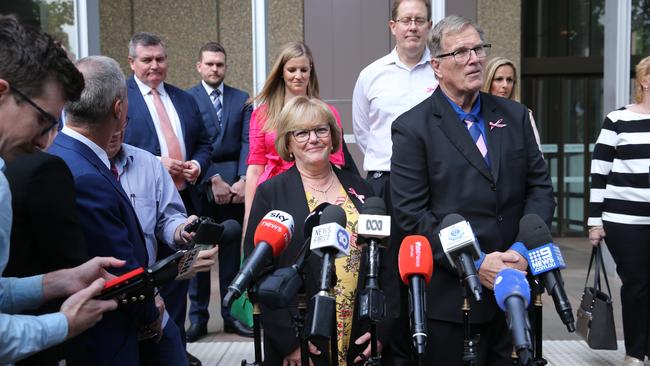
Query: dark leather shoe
235, 326
195, 332
191, 360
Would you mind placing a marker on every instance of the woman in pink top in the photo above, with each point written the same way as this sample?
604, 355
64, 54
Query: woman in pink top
293, 74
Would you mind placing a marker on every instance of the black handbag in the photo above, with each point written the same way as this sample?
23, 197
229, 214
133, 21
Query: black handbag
596, 313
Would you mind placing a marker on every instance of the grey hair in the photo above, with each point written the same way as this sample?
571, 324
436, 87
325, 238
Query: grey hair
145, 39
450, 24
105, 83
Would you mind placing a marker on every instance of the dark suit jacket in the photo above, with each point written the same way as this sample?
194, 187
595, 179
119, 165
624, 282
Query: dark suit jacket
141, 132
437, 170
230, 140
45, 235
110, 228
285, 192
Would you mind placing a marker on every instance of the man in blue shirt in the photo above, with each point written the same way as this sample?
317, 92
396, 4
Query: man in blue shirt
162, 216
36, 79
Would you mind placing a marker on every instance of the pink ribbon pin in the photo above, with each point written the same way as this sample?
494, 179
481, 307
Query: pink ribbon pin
353, 192
497, 124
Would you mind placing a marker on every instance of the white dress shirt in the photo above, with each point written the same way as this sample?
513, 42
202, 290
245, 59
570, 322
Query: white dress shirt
384, 90
171, 112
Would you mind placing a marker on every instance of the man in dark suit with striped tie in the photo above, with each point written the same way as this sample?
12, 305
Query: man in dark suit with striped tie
226, 114
465, 152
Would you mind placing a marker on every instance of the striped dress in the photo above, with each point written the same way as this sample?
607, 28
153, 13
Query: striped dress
620, 170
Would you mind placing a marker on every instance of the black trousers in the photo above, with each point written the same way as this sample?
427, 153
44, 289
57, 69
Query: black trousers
630, 247
229, 258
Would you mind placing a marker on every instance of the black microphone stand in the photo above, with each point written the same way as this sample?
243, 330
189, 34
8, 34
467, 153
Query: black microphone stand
537, 291
257, 334
372, 303
299, 323
470, 343
324, 303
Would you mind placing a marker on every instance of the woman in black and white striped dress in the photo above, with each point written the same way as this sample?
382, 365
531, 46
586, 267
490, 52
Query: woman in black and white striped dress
620, 208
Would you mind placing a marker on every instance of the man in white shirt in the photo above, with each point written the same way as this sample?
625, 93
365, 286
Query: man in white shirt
384, 90
390, 86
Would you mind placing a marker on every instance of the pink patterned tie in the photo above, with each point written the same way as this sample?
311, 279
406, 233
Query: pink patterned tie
477, 136
173, 147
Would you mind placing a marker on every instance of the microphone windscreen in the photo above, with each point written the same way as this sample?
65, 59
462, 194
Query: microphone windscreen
333, 213
415, 258
533, 232
275, 229
231, 231
451, 219
373, 206
313, 219
511, 282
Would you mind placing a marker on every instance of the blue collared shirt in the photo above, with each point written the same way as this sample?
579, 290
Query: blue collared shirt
154, 197
475, 111
22, 335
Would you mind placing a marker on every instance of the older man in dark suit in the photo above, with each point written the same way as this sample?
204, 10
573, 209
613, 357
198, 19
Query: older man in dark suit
465, 152
108, 222
226, 114
166, 121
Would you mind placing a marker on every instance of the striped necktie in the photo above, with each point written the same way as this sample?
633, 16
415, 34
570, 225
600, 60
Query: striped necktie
217, 103
472, 126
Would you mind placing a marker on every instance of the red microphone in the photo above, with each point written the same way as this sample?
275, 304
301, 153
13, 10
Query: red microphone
415, 268
272, 235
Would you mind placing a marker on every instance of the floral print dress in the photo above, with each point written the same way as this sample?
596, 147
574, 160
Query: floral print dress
347, 273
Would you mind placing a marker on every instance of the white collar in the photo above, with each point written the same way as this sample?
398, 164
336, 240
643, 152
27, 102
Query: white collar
101, 154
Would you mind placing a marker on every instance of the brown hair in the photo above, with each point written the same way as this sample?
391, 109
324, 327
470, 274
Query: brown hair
301, 113
396, 4
272, 94
491, 69
211, 47
642, 70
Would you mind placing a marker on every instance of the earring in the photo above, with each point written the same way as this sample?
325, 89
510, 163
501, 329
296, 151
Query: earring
291, 156
645, 88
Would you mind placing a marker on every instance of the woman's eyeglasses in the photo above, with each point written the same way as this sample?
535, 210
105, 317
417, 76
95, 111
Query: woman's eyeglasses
303, 135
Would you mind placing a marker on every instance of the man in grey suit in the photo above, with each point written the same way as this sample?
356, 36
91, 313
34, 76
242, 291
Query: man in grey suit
226, 114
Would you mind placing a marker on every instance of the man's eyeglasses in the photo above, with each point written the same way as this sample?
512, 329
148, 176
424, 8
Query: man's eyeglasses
406, 21
462, 55
50, 119
303, 135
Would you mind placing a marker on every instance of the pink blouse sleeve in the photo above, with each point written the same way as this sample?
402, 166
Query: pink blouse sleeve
256, 148
337, 157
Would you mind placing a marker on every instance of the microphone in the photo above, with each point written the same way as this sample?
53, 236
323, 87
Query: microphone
272, 235
415, 263
512, 294
328, 239
373, 228
460, 245
278, 289
545, 262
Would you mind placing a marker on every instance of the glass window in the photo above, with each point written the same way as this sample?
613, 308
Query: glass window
640, 28
56, 17
558, 28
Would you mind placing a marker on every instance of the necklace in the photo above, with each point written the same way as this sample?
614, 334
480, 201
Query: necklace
323, 191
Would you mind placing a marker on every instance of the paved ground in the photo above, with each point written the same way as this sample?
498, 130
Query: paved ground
561, 348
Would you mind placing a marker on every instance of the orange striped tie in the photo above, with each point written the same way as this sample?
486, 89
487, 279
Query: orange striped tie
173, 147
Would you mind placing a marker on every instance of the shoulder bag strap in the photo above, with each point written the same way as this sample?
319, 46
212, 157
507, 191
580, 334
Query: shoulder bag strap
602, 266
591, 262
